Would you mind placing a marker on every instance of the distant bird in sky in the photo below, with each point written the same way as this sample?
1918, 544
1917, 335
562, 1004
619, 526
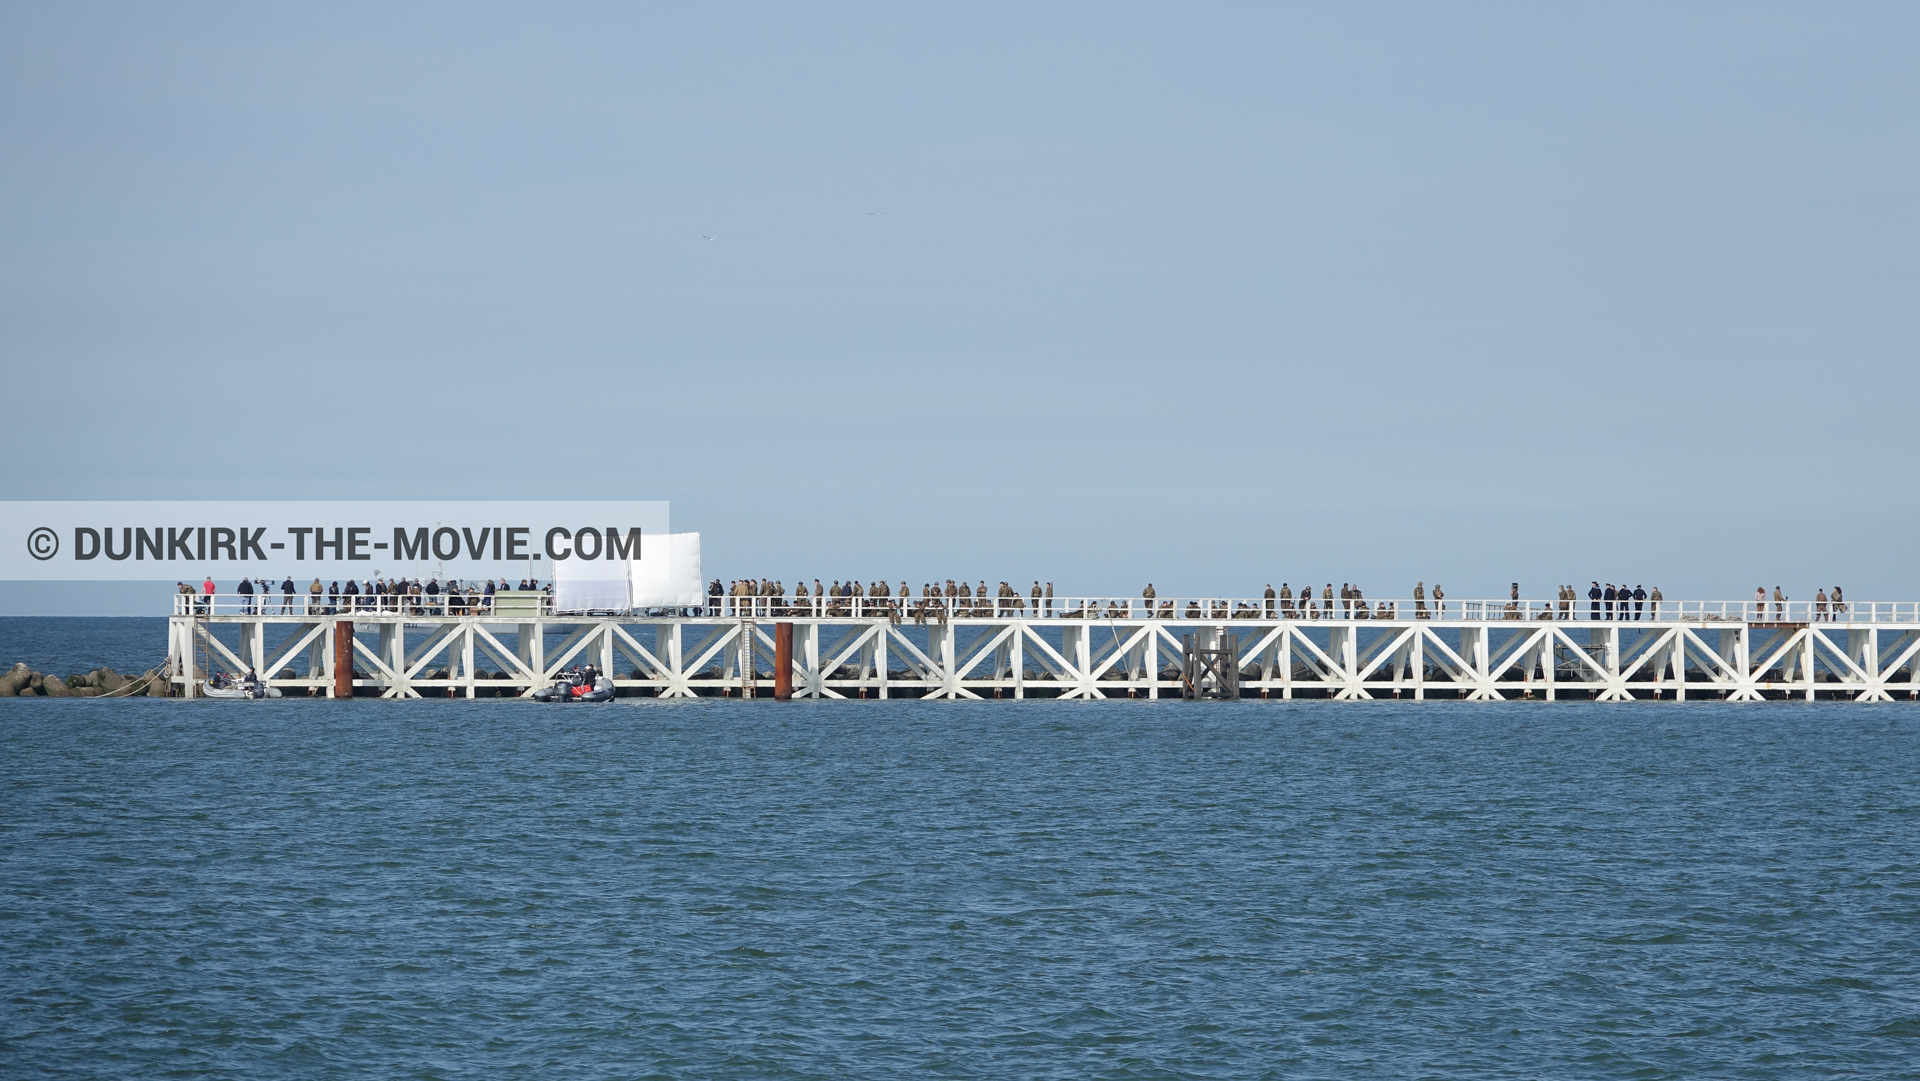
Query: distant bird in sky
875, 213
704, 236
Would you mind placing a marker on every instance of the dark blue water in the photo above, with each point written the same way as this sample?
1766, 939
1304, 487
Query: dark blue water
69, 645
1043, 889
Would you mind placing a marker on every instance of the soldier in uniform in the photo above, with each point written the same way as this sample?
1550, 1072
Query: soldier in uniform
1420, 599
1270, 596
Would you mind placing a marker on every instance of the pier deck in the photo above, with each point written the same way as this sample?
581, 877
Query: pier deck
1073, 648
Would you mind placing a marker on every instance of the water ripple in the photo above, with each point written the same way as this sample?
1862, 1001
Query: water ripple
1125, 889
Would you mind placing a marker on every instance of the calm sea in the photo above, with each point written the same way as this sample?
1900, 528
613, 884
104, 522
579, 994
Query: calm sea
1046, 889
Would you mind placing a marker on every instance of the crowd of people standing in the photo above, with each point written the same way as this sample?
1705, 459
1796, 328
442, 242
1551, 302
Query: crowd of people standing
767, 597
397, 595
1350, 602
749, 597
1826, 608
1611, 602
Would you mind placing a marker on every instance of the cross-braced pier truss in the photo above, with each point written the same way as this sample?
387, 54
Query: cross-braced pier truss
1073, 648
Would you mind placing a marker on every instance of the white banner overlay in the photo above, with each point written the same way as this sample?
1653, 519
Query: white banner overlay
141, 540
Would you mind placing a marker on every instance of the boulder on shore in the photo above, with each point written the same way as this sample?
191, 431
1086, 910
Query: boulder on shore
158, 686
16, 677
55, 687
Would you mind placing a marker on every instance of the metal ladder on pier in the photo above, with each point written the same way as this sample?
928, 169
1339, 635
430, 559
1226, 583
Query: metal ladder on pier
201, 659
748, 677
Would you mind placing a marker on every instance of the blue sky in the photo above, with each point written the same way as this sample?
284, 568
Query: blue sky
1100, 294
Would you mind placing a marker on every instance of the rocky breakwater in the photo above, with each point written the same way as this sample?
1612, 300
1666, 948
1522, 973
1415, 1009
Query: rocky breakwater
21, 681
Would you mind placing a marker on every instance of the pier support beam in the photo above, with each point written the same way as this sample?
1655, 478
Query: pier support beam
1416, 661
1806, 663
393, 649
342, 659
783, 662
1547, 664
1017, 660
317, 654
1679, 665
1153, 666
183, 653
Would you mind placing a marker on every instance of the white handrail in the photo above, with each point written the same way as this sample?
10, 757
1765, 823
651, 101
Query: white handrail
918, 609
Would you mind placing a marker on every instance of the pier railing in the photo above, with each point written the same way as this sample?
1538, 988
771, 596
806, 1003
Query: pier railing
443, 605
507, 607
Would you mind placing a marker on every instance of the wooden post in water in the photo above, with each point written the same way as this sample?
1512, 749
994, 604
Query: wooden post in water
783, 662
343, 658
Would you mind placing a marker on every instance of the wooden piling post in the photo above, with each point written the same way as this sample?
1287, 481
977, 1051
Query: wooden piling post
783, 662
343, 658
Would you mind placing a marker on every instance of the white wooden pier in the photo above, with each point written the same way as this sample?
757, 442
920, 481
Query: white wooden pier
1073, 648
